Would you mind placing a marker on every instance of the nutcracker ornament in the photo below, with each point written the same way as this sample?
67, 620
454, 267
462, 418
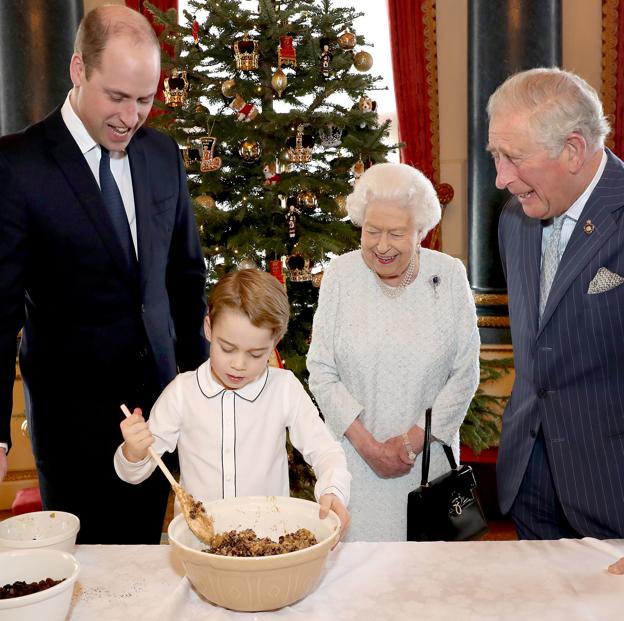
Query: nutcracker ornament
245, 112
176, 88
326, 58
195, 31
292, 217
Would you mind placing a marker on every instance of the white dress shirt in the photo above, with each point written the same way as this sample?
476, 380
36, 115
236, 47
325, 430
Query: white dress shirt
233, 442
119, 163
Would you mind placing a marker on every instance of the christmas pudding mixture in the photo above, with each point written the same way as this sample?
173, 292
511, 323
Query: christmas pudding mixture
246, 543
19, 588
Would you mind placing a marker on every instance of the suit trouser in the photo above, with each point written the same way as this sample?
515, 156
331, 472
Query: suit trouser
536, 511
75, 417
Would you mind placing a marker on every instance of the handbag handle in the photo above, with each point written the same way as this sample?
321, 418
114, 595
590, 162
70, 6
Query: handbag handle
448, 451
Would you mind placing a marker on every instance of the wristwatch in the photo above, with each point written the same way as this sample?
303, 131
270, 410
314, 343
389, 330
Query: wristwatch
411, 455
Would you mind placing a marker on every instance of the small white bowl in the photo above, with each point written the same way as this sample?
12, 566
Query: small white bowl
55, 530
257, 583
32, 566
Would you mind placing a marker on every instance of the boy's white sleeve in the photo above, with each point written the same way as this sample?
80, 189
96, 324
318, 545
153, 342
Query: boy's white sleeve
164, 422
313, 439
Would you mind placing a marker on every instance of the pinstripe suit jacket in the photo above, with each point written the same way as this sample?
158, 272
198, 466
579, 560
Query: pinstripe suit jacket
569, 369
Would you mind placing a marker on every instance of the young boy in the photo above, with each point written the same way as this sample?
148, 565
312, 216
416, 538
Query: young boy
229, 417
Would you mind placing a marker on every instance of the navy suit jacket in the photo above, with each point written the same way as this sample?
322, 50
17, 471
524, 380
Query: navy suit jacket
62, 278
570, 368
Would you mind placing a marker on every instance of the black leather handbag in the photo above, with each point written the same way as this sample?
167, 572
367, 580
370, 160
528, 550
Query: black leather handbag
447, 508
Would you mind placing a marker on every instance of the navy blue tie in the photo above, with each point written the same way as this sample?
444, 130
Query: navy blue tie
114, 205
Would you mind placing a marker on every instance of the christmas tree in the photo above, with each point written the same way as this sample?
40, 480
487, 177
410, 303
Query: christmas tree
255, 98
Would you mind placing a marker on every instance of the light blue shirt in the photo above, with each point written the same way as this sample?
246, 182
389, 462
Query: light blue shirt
572, 215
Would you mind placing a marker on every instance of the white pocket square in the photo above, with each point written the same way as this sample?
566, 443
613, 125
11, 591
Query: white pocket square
604, 280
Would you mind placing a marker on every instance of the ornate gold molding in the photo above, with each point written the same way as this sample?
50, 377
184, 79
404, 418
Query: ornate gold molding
492, 321
610, 63
20, 475
428, 8
491, 299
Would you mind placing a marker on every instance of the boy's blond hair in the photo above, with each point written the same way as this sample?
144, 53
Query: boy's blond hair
256, 294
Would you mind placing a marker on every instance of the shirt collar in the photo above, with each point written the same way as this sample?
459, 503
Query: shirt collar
76, 127
78, 130
211, 388
577, 207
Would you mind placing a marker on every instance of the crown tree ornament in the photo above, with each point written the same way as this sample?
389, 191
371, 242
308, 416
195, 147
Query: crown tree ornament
270, 96
246, 54
175, 88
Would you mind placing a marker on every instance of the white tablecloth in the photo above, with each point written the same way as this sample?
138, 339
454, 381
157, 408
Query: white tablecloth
489, 580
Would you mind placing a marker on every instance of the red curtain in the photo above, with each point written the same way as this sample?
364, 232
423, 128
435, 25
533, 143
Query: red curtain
163, 5
613, 71
414, 65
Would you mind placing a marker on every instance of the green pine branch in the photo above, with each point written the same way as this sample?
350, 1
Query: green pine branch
482, 425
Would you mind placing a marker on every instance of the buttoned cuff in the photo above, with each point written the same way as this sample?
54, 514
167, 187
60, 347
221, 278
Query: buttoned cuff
337, 492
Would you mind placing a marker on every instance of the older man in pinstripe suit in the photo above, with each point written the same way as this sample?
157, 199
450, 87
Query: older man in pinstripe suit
561, 459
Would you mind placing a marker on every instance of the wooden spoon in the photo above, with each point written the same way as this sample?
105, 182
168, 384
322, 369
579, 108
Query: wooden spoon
200, 523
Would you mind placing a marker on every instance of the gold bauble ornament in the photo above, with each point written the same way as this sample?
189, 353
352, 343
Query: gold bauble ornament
228, 88
279, 82
250, 150
341, 201
247, 263
306, 199
206, 201
363, 61
346, 40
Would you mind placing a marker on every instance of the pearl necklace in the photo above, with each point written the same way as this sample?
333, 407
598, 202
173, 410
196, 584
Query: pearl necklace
395, 292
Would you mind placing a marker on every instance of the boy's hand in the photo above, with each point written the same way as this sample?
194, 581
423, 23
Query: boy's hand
331, 501
137, 437
617, 568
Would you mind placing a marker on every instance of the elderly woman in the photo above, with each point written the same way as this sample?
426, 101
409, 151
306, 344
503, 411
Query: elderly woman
395, 332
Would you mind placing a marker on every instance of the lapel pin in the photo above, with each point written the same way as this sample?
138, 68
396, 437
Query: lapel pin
588, 227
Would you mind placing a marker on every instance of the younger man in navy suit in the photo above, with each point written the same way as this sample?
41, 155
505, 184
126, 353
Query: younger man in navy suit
103, 270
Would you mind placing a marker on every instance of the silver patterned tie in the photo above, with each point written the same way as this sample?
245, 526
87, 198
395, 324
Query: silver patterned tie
550, 262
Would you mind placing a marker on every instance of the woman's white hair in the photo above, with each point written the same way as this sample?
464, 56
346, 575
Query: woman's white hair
558, 103
396, 183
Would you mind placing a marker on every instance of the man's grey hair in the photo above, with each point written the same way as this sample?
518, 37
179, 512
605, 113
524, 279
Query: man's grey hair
558, 104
